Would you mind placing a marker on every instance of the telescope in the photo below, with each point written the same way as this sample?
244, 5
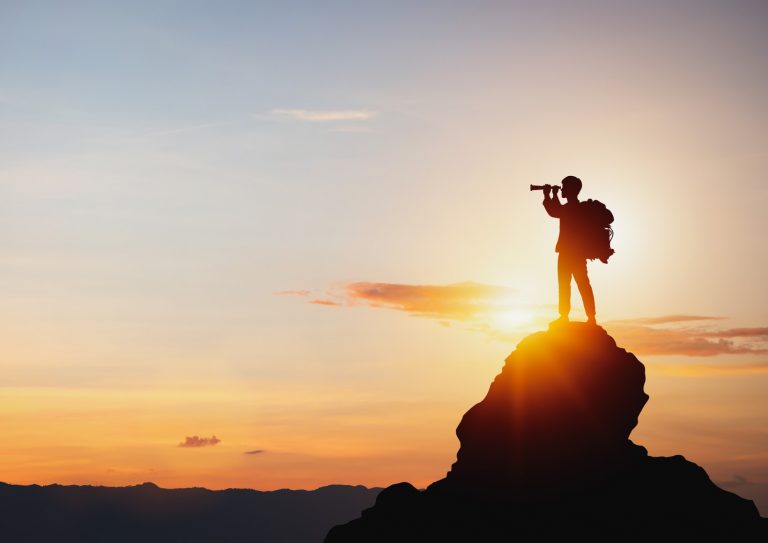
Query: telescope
542, 187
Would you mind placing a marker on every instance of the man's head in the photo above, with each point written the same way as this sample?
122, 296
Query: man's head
571, 187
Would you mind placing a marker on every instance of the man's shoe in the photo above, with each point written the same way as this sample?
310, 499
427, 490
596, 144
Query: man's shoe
591, 320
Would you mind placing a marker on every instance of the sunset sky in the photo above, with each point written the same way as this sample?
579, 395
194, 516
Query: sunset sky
289, 244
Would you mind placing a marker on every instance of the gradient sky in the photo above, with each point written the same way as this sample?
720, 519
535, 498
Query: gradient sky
286, 244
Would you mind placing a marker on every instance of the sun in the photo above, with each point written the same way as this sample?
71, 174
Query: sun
512, 318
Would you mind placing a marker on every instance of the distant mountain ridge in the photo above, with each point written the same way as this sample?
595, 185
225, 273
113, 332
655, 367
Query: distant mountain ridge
148, 513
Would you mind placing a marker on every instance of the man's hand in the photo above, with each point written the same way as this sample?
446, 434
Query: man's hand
547, 189
554, 191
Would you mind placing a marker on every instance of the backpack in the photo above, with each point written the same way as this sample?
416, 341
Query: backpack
597, 232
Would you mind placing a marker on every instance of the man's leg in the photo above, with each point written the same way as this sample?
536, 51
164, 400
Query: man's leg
585, 288
564, 285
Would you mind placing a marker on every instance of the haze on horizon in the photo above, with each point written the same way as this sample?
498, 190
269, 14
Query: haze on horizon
218, 222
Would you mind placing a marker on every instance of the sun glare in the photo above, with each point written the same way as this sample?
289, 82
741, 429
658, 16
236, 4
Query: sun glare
511, 318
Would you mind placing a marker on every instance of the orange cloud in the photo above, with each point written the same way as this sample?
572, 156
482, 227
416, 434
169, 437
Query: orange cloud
710, 370
742, 332
325, 302
669, 319
456, 301
646, 339
292, 293
493, 310
196, 441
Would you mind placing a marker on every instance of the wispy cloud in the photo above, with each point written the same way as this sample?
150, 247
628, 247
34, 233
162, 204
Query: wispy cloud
326, 302
255, 451
196, 441
660, 339
175, 130
293, 293
711, 370
456, 301
669, 319
761, 332
496, 311
323, 116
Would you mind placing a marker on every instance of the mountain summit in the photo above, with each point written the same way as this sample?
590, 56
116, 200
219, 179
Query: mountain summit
547, 454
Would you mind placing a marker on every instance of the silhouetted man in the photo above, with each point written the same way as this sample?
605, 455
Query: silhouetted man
571, 260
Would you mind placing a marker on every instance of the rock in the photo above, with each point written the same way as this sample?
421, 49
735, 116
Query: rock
546, 455
561, 409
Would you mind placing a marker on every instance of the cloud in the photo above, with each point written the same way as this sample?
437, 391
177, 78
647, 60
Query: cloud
710, 370
470, 304
669, 319
255, 451
325, 302
195, 441
173, 131
496, 311
742, 332
457, 300
292, 293
645, 339
323, 116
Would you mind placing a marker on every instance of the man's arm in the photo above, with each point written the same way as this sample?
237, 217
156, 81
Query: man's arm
552, 204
